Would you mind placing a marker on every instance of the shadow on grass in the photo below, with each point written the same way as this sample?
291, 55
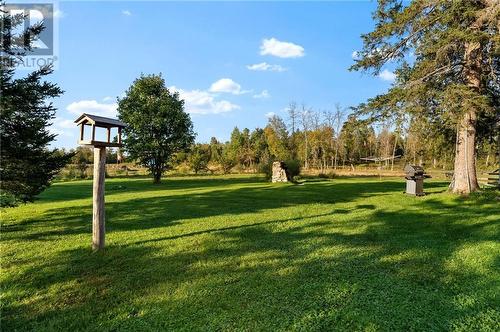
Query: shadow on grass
382, 270
167, 209
72, 190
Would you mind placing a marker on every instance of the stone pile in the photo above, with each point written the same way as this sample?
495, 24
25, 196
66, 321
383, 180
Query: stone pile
280, 172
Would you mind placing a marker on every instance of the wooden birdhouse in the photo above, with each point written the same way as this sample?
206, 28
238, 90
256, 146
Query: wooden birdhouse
98, 211
94, 121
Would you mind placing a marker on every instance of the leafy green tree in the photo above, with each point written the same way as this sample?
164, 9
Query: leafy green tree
199, 157
259, 146
82, 159
157, 125
235, 145
27, 165
226, 159
446, 54
354, 136
246, 153
277, 138
215, 149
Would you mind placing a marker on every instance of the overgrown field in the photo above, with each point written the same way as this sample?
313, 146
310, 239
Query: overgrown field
238, 253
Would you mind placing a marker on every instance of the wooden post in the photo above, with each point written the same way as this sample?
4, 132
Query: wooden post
93, 133
119, 135
109, 135
81, 131
98, 214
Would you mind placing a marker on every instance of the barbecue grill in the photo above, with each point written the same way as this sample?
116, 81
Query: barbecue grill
414, 176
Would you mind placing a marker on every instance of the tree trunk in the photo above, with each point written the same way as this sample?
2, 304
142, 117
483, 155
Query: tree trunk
306, 161
394, 152
336, 157
156, 176
464, 176
119, 157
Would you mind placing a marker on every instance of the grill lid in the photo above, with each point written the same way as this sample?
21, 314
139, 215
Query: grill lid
414, 170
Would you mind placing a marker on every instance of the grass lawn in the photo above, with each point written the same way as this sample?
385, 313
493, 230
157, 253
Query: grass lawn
238, 253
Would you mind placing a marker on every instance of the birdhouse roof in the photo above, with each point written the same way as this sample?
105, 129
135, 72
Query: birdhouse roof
99, 121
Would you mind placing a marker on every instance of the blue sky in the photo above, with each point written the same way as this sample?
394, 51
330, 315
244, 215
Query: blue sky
233, 62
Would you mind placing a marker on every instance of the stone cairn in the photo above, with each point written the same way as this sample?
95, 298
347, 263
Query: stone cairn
280, 172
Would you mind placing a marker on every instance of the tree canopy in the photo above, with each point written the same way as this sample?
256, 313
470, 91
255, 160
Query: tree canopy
446, 54
157, 125
27, 164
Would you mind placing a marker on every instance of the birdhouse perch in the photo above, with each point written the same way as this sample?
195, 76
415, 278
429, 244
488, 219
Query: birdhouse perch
94, 121
98, 211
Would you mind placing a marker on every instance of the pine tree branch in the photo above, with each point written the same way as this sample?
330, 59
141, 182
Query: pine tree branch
439, 70
405, 40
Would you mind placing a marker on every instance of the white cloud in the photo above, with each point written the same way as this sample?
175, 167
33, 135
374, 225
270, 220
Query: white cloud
60, 127
59, 13
281, 49
59, 132
263, 94
387, 75
35, 15
107, 98
227, 85
270, 114
92, 107
64, 123
264, 66
126, 12
204, 102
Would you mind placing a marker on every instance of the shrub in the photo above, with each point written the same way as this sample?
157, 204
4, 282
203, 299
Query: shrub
293, 167
329, 175
198, 158
8, 200
266, 168
226, 163
72, 174
182, 169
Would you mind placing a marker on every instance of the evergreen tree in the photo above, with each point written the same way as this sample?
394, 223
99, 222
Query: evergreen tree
354, 136
259, 146
235, 146
215, 149
27, 164
277, 138
446, 53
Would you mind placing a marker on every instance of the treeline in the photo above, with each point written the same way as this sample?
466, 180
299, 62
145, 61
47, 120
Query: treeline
82, 159
320, 140
331, 139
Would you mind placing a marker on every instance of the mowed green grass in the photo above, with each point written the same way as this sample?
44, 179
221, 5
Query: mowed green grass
238, 253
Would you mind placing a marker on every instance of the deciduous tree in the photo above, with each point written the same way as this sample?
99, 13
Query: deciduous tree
157, 125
